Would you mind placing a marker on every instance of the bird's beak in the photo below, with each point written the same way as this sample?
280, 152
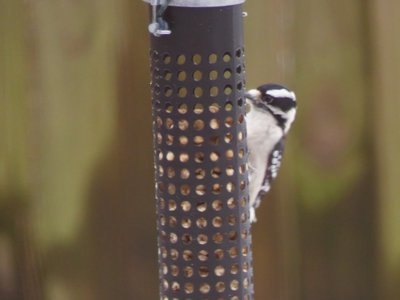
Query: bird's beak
253, 95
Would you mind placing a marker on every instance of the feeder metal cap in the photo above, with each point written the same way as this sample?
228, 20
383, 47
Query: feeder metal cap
201, 3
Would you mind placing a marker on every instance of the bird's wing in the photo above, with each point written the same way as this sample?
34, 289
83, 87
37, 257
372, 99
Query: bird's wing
274, 163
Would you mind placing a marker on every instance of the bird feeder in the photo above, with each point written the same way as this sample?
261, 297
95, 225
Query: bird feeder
200, 151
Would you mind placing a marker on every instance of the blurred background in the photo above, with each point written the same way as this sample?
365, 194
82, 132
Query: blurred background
77, 211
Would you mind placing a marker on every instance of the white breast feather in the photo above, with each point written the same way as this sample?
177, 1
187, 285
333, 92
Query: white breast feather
262, 135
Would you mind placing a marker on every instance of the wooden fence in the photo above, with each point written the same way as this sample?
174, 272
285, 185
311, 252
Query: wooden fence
77, 214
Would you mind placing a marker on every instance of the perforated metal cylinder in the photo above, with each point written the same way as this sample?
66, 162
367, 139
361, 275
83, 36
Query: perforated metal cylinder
200, 155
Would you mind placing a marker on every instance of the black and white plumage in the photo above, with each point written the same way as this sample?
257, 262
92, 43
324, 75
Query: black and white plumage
272, 110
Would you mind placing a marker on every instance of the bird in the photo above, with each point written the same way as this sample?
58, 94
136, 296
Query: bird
271, 110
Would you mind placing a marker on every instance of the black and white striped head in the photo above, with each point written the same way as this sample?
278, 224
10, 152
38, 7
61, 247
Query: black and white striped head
277, 100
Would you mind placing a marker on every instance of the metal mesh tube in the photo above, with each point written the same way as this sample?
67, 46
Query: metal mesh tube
200, 155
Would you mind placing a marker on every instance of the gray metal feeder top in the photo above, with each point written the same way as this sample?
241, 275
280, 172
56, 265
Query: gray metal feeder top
201, 3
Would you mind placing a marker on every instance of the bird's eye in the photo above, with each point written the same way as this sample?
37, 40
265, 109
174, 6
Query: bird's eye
269, 99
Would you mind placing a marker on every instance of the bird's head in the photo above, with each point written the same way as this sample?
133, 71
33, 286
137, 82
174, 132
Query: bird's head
276, 100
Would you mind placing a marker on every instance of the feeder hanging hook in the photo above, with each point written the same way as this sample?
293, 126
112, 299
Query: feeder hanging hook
159, 26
